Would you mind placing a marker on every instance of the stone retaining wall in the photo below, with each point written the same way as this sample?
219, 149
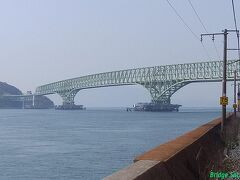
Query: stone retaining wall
190, 156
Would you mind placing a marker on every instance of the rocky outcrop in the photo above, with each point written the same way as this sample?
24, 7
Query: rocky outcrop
40, 102
6, 89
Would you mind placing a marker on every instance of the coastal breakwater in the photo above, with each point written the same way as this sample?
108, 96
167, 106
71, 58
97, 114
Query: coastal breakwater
189, 156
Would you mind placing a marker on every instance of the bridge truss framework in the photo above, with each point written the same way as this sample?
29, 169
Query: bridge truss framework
161, 81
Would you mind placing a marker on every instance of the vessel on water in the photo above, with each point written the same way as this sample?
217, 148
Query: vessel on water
70, 107
154, 107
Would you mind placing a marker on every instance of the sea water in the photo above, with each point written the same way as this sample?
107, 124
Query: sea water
88, 144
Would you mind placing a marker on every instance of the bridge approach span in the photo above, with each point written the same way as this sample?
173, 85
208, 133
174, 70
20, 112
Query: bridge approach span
161, 81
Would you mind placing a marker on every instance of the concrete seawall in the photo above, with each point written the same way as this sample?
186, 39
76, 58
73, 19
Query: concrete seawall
190, 156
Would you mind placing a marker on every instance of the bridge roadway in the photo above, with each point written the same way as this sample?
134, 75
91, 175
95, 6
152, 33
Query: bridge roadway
161, 81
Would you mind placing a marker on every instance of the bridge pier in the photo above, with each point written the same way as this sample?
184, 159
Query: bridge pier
68, 97
23, 103
68, 101
28, 102
161, 92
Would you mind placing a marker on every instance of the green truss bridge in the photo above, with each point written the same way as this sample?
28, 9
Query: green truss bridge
161, 81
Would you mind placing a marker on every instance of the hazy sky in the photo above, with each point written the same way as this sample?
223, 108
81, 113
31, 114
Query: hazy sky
49, 40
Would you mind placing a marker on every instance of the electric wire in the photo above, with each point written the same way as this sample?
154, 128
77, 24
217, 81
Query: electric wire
187, 26
180, 17
235, 23
234, 15
215, 47
197, 16
204, 27
205, 49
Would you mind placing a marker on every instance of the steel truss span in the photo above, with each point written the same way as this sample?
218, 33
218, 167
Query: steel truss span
161, 81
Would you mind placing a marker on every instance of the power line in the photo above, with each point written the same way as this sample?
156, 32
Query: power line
205, 49
187, 26
216, 50
234, 14
238, 46
204, 27
235, 23
198, 16
180, 17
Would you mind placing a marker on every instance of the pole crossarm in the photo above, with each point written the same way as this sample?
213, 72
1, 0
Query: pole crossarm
161, 81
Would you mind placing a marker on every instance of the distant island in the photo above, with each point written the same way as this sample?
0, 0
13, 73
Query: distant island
41, 102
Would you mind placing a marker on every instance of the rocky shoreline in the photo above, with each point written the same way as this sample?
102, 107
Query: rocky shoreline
231, 162
41, 102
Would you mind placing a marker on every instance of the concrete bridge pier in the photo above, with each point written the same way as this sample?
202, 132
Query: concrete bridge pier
161, 92
28, 102
68, 99
161, 96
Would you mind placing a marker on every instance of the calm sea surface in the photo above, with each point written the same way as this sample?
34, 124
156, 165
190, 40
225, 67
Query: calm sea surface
90, 144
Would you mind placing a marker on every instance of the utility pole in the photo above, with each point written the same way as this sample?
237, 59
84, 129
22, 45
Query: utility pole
235, 86
23, 103
33, 101
224, 98
224, 85
238, 97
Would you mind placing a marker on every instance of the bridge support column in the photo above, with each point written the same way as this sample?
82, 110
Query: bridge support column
162, 100
68, 97
23, 103
161, 93
157, 95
